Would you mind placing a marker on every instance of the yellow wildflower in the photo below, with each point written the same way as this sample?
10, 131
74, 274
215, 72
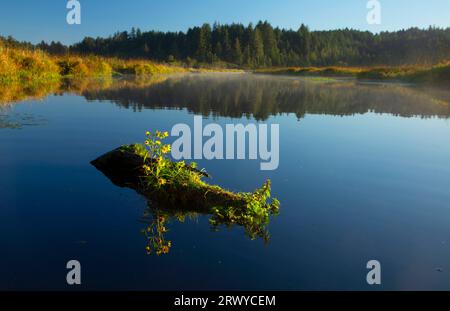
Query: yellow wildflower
165, 149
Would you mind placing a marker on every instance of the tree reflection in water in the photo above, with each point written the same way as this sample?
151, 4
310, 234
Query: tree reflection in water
247, 95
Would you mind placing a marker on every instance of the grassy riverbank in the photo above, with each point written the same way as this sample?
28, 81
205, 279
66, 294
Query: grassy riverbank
19, 65
437, 75
25, 66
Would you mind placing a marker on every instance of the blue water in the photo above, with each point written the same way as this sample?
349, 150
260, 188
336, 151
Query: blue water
364, 174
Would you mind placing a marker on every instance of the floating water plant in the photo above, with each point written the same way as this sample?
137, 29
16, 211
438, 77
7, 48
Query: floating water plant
176, 189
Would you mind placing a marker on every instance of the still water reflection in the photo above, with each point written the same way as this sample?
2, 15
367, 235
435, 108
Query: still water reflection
364, 174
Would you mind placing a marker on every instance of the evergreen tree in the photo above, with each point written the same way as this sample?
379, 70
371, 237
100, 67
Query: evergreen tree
305, 44
257, 48
237, 52
204, 50
265, 46
271, 50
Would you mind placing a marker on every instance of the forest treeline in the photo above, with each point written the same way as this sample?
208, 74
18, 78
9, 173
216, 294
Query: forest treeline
262, 45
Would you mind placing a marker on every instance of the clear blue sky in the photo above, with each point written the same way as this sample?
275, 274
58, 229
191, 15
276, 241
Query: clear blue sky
36, 20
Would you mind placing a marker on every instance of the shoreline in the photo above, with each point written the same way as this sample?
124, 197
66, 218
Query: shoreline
34, 66
436, 75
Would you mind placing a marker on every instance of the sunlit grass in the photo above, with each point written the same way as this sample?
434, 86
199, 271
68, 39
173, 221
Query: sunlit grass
18, 65
438, 74
314, 71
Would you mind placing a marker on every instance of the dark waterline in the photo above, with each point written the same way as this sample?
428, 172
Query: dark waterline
364, 174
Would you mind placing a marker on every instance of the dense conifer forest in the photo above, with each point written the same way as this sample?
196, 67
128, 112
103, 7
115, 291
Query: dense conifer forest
262, 45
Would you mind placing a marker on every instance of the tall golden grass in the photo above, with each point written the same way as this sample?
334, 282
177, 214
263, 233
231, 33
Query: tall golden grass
22, 65
438, 74
314, 71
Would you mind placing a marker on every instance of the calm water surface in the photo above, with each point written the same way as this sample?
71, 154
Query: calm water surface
364, 174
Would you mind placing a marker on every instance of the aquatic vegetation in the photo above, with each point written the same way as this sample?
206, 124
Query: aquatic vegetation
253, 215
177, 187
18, 120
